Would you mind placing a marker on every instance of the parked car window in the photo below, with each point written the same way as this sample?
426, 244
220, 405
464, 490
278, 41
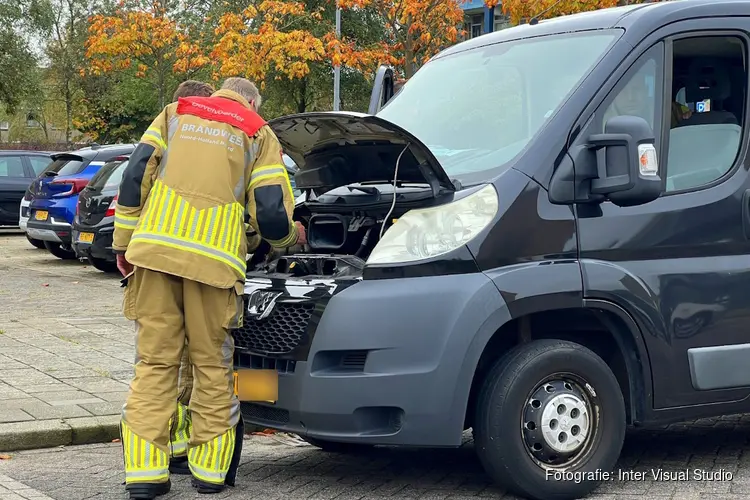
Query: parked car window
521, 83
39, 163
66, 166
11, 166
100, 178
115, 178
707, 110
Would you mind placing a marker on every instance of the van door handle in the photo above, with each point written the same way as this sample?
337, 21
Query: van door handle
746, 214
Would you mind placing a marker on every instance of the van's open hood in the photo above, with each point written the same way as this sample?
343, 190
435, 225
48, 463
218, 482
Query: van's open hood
333, 149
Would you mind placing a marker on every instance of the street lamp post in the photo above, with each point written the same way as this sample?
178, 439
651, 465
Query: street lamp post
337, 68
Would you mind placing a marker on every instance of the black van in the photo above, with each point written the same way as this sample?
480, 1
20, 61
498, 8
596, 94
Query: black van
566, 252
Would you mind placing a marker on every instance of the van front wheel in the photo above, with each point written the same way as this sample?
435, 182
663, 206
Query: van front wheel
550, 421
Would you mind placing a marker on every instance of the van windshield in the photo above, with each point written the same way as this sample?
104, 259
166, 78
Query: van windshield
476, 110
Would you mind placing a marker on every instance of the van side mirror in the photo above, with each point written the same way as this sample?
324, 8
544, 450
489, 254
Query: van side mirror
629, 172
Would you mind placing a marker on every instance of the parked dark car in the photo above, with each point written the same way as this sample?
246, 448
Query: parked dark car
545, 257
17, 170
54, 194
95, 216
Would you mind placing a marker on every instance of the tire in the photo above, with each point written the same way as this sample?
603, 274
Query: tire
58, 251
542, 371
102, 265
334, 447
36, 243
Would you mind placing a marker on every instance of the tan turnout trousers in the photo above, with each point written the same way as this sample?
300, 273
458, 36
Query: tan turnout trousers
182, 426
168, 310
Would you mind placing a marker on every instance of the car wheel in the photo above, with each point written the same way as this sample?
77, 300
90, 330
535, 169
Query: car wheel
58, 251
103, 265
334, 447
36, 243
550, 421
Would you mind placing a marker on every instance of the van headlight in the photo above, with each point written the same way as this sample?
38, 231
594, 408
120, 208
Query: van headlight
428, 232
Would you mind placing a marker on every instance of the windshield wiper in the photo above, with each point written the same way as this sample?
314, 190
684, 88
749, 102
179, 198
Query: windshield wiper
365, 189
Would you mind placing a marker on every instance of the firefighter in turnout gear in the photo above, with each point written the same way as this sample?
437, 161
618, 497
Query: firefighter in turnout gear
180, 221
181, 422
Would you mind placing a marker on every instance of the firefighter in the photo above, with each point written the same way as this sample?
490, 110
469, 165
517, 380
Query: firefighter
181, 423
181, 245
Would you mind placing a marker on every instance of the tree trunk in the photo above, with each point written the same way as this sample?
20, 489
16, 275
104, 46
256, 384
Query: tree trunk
68, 114
302, 98
409, 66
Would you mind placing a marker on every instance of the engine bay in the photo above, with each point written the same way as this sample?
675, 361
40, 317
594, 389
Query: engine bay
343, 226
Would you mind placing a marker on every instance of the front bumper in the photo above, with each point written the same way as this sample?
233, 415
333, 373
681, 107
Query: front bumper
100, 248
52, 230
384, 362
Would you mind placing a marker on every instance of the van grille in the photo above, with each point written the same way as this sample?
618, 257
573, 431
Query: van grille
255, 412
283, 331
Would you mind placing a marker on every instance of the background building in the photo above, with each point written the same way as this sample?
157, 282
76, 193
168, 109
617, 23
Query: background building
479, 19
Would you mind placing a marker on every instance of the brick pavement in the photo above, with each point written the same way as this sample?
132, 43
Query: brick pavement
65, 350
272, 471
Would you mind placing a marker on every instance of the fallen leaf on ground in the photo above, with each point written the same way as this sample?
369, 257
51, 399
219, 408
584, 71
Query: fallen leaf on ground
4, 457
45, 284
115, 440
265, 432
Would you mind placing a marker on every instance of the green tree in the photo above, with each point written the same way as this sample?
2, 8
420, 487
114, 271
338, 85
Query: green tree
19, 21
65, 50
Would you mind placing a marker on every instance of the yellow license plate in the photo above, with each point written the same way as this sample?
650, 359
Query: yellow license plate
86, 237
257, 385
41, 215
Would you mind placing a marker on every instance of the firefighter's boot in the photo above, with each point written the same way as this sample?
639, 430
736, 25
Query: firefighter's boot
146, 466
210, 462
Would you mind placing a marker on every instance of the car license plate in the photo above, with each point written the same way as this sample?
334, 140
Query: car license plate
41, 215
257, 385
86, 237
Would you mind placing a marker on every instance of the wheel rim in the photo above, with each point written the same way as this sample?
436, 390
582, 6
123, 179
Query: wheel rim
559, 421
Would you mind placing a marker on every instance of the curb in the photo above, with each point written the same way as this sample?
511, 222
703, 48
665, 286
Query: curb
38, 434
58, 432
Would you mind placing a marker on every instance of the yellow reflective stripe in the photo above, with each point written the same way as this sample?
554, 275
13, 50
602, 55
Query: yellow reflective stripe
169, 215
126, 217
171, 220
223, 213
156, 196
179, 244
155, 134
184, 209
125, 222
210, 461
232, 229
144, 462
286, 242
260, 178
181, 431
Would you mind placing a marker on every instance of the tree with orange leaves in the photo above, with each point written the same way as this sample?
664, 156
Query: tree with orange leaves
269, 37
416, 30
148, 39
519, 10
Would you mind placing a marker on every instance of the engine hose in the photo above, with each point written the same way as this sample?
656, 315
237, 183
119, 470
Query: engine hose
363, 246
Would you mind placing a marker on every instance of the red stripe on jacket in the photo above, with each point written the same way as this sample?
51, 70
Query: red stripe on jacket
220, 109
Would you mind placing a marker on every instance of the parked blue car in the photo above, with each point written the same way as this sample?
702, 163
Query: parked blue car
54, 194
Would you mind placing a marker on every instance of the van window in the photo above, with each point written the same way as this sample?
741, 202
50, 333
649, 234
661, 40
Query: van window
477, 109
637, 96
707, 110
